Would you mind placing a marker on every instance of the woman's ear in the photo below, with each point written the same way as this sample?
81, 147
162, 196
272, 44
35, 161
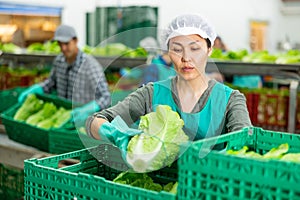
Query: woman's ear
209, 51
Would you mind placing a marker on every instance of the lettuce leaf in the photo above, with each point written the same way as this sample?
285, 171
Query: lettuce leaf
159, 144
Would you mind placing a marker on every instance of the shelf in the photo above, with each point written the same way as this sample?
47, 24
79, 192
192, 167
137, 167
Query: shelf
27, 58
242, 68
225, 67
113, 62
120, 62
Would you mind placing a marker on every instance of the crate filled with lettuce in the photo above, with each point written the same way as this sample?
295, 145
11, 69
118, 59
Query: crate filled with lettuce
147, 171
30, 122
251, 164
96, 180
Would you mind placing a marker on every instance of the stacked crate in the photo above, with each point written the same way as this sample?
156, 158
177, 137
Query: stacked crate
202, 172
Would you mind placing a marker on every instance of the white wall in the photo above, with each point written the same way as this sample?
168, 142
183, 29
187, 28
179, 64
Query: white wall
231, 17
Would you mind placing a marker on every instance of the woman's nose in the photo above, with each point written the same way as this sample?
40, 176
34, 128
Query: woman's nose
185, 57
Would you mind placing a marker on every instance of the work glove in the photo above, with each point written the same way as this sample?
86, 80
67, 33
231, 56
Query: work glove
80, 114
34, 89
118, 133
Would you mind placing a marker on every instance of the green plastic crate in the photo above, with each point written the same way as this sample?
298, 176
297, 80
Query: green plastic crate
28, 134
87, 178
66, 140
9, 97
11, 183
210, 174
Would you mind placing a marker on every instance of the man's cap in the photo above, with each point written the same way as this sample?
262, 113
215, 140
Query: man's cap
64, 33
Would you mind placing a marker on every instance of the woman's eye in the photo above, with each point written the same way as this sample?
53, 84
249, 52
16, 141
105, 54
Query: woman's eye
195, 48
177, 50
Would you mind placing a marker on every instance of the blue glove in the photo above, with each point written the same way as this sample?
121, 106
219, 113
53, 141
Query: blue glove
34, 89
118, 133
80, 114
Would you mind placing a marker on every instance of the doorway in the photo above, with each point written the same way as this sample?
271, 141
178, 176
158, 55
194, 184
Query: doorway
258, 30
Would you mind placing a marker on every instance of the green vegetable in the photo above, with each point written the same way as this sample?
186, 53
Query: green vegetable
49, 47
291, 157
236, 55
242, 151
252, 154
9, 47
30, 106
45, 124
143, 180
171, 187
87, 49
288, 59
217, 54
260, 57
48, 109
159, 144
168, 187
174, 188
112, 49
35, 47
62, 117
42, 114
56, 120
135, 53
277, 152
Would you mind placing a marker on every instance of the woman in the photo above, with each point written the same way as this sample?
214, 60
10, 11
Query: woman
207, 107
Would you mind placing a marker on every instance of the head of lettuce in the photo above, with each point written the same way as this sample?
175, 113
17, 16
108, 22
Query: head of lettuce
159, 143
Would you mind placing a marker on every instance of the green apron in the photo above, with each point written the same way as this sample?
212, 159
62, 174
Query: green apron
206, 123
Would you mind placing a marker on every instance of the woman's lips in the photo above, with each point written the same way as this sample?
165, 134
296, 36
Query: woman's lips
187, 69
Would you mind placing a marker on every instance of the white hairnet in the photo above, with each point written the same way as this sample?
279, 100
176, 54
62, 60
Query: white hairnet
189, 24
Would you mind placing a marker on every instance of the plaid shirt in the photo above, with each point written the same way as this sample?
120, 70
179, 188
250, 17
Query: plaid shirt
82, 81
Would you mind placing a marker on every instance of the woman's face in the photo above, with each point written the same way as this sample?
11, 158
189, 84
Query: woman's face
189, 55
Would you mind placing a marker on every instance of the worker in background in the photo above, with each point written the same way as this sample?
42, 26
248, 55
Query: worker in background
249, 81
159, 65
207, 107
75, 76
161, 68
219, 44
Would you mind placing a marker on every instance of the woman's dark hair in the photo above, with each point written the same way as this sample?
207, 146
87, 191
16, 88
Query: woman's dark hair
208, 42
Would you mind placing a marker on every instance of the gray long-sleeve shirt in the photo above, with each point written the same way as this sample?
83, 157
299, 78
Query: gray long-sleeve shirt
139, 103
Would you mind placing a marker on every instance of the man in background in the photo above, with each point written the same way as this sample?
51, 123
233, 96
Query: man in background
74, 76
